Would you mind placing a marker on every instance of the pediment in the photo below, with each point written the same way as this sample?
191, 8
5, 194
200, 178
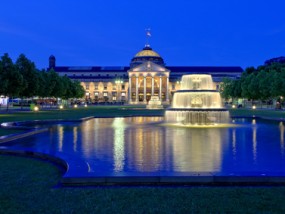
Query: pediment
149, 66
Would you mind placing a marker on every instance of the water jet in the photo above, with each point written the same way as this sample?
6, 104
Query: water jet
197, 102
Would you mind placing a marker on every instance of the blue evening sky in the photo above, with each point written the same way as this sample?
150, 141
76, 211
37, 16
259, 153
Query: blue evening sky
108, 32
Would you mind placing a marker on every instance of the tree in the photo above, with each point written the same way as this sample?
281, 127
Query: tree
253, 87
78, 90
12, 79
43, 90
226, 88
265, 84
30, 76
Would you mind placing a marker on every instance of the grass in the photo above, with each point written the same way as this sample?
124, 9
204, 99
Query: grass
268, 113
30, 186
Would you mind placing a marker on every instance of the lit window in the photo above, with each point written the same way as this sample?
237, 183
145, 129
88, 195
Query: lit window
114, 98
123, 94
96, 94
105, 94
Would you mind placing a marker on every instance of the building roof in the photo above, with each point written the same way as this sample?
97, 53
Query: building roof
175, 69
147, 51
205, 69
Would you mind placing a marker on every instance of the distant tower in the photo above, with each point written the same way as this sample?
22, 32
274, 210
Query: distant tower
51, 61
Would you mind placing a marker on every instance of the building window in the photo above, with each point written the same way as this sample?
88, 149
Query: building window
96, 94
105, 87
74, 75
96, 87
105, 94
114, 87
87, 86
123, 94
82, 75
114, 98
173, 86
123, 87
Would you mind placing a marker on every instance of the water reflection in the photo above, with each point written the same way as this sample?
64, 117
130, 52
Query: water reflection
197, 149
282, 129
254, 142
141, 144
119, 143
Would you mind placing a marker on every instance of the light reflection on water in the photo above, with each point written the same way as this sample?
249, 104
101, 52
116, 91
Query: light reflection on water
141, 144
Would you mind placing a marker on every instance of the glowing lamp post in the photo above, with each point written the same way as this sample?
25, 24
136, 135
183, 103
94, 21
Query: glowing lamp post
36, 108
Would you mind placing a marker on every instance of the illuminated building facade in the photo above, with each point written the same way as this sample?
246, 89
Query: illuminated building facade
146, 76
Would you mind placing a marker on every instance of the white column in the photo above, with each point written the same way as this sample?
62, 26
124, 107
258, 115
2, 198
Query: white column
152, 85
144, 89
167, 89
130, 89
160, 84
137, 89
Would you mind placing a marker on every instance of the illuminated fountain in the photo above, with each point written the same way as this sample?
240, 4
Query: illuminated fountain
197, 103
154, 103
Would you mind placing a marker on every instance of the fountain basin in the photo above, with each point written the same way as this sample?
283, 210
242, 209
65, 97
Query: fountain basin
197, 116
197, 103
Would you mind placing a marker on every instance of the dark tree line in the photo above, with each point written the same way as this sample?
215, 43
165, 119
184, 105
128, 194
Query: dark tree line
22, 79
265, 82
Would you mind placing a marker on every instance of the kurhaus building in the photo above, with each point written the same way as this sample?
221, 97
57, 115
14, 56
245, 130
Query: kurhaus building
146, 76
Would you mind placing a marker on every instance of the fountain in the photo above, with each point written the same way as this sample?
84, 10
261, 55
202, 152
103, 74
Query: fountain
197, 103
154, 103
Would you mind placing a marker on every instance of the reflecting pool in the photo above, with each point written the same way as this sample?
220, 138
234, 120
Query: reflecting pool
146, 146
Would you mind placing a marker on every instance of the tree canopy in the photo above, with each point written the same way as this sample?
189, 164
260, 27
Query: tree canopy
261, 83
23, 79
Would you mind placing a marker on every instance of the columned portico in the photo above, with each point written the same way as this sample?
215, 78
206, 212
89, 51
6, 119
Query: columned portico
144, 89
137, 89
160, 82
152, 85
150, 80
167, 89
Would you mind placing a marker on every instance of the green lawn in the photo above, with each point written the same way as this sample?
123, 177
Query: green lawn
30, 186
